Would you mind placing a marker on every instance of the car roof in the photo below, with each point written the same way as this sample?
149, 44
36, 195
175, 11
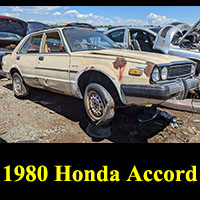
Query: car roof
60, 28
148, 29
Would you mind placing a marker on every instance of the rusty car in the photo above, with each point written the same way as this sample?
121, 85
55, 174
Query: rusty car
86, 64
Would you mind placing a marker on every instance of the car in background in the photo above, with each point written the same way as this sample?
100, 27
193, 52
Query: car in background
13, 30
88, 65
134, 38
177, 39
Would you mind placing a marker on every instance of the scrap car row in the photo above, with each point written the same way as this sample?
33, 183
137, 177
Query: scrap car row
121, 67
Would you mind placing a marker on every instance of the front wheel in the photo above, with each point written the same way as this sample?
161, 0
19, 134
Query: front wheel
99, 104
20, 89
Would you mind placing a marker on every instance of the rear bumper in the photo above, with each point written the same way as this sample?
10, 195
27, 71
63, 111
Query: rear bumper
178, 89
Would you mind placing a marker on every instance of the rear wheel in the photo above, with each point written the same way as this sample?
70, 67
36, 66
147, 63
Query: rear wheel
99, 104
20, 88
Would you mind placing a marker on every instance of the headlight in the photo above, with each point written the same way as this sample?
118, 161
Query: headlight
155, 75
164, 73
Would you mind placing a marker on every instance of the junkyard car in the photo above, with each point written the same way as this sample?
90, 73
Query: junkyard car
177, 39
88, 65
134, 38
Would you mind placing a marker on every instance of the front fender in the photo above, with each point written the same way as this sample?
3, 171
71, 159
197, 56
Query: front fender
102, 69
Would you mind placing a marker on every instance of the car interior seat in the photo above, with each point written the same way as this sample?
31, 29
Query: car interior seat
144, 42
136, 45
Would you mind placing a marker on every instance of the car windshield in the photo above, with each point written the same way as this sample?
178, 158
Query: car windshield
84, 39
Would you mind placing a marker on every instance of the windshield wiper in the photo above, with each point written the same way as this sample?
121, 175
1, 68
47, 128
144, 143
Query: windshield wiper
92, 45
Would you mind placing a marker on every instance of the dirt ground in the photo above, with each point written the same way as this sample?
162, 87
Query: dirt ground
45, 117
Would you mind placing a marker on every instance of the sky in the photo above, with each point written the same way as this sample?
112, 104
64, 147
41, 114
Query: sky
105, 15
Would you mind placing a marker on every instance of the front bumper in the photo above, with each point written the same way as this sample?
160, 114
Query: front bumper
178, 89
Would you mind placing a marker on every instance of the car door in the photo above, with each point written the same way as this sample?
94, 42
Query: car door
26, 58
53, 63
166, 36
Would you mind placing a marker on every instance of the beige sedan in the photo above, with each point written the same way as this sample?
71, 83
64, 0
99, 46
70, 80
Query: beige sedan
86, 64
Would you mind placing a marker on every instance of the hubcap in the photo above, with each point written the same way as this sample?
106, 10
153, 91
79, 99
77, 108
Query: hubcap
96, 104
17, 85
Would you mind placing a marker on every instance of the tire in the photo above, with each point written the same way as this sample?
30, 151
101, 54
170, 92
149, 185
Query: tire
20, 88
99, 104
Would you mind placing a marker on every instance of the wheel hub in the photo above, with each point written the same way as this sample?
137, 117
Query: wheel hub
17, 85
96, 105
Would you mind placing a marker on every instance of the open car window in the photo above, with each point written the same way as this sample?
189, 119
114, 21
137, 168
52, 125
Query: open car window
53, 43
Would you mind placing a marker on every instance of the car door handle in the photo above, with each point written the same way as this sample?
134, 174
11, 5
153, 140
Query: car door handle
41, 58
18, 58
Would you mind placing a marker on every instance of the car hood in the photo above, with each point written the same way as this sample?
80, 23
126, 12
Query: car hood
13, 25
140, 57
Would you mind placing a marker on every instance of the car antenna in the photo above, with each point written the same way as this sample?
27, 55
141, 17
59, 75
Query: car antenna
76, 18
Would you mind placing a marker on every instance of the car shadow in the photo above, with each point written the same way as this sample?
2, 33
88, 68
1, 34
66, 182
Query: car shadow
125, 126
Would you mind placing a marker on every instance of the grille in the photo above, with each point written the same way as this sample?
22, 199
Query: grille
179, 71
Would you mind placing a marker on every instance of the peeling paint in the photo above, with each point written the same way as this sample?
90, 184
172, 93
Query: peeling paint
148, 70
120, 63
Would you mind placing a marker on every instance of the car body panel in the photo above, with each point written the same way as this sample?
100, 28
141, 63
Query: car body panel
164, 38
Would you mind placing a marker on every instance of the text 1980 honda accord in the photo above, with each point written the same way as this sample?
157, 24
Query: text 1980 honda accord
86, 64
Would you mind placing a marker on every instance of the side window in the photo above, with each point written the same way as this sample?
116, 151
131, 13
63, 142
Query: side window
32, 45
53, 43
117, 36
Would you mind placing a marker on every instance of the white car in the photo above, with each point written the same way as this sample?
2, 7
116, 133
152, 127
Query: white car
177, 39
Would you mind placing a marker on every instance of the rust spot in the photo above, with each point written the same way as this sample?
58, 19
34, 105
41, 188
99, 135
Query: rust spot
149, 68
120, 63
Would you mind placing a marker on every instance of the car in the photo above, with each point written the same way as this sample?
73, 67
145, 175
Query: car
12, 30
179, 39
86, 64
134, 38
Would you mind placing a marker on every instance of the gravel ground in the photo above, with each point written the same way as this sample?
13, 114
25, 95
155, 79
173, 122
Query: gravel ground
45, 117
